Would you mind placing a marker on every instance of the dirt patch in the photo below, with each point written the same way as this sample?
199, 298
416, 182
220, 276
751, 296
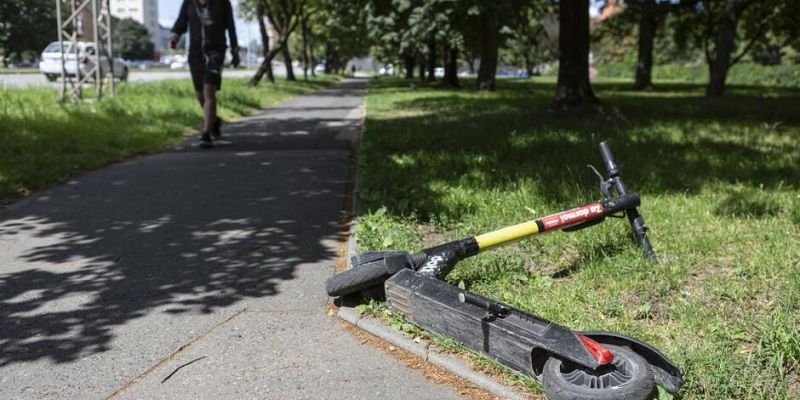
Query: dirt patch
430, 236
433, 373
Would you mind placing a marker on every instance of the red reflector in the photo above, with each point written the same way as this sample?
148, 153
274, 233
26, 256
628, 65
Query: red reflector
600, 353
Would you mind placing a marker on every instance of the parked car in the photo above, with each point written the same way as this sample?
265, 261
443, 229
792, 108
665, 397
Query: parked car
50, 61
388, 69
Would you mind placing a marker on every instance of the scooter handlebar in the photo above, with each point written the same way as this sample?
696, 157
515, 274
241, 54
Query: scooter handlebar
634, 218
608, 160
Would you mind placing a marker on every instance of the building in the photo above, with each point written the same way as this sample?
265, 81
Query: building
143, 11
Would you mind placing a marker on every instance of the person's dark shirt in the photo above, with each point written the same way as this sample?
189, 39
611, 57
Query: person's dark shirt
207, 25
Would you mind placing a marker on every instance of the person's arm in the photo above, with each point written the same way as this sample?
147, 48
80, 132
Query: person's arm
231, 26
181, 25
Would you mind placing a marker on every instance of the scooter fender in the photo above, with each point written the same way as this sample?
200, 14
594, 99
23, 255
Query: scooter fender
665, 372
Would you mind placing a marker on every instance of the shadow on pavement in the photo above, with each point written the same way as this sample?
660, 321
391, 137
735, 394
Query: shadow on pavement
181, 233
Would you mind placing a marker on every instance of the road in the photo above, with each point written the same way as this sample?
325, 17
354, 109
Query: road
29, 80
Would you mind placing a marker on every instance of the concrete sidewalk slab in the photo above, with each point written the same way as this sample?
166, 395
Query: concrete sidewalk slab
288, 355
110, 280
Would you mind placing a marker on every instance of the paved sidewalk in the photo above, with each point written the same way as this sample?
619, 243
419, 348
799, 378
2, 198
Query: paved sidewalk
195, 274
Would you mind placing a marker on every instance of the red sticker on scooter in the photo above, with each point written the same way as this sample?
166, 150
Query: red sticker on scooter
572, 217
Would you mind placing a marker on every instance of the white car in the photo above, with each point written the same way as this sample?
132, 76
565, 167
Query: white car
50, 61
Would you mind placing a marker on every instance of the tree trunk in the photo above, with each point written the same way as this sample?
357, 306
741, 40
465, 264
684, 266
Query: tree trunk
573, 86
266, 66
721, 63
431, 59
311, 58
451, 67
490, 40
287, 59
647, 33
304, 27
328, 58
409, 62
528, 65
422, 65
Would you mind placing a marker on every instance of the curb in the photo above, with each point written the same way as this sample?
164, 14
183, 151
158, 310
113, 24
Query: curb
380, 330
422, 350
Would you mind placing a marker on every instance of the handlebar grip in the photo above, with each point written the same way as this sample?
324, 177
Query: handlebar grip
608, 159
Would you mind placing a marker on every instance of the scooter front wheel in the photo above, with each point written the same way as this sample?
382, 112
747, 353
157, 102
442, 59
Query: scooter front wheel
357, 279
627, 377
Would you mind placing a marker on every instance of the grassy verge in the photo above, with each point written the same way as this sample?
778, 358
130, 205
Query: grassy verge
16, 71
740, 74
44, 142
721, 192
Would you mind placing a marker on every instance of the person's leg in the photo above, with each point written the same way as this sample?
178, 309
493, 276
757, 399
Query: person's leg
201, 98
210, 107
212, 82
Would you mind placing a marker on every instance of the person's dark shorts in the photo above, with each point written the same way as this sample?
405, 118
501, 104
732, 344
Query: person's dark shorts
207, 69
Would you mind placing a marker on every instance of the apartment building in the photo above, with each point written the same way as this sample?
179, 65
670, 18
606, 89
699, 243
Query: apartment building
144, 11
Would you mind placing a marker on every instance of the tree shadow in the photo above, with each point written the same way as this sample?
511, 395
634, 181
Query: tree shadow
182, 233
665, 142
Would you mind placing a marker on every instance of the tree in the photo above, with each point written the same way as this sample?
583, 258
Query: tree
489, 27
132, 40
26, 25
284, 16
647, 32
496, 22
573, 88
339, 30
530, 42
714, 26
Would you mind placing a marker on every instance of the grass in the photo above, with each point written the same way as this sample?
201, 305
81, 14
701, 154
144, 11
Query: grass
43, 142
16, 71
721, 193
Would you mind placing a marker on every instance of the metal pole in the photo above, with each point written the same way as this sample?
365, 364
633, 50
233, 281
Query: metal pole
98, 68
109, 45
63, 92
77, 24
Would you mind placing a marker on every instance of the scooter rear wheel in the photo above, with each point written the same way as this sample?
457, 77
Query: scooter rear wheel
627, 377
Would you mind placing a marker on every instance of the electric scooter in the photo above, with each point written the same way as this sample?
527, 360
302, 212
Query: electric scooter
570, 365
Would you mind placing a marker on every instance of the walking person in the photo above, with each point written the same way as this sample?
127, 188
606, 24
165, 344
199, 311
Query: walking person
207, 21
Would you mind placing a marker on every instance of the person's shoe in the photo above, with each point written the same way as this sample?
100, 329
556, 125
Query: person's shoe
217, 131
205, 141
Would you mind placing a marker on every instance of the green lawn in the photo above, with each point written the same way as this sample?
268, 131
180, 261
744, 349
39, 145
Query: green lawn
43, 142
720, 185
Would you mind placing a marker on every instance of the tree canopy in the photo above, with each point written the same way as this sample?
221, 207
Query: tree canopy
132, 41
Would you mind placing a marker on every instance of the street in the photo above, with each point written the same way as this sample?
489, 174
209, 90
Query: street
29, 80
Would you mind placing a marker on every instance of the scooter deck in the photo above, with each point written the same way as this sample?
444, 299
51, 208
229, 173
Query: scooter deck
519, 340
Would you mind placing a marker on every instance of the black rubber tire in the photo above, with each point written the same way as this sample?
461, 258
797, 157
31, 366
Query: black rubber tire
638, 386
357, 279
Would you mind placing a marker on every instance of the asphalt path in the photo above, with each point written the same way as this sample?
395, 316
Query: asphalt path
195, 273
38, 80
